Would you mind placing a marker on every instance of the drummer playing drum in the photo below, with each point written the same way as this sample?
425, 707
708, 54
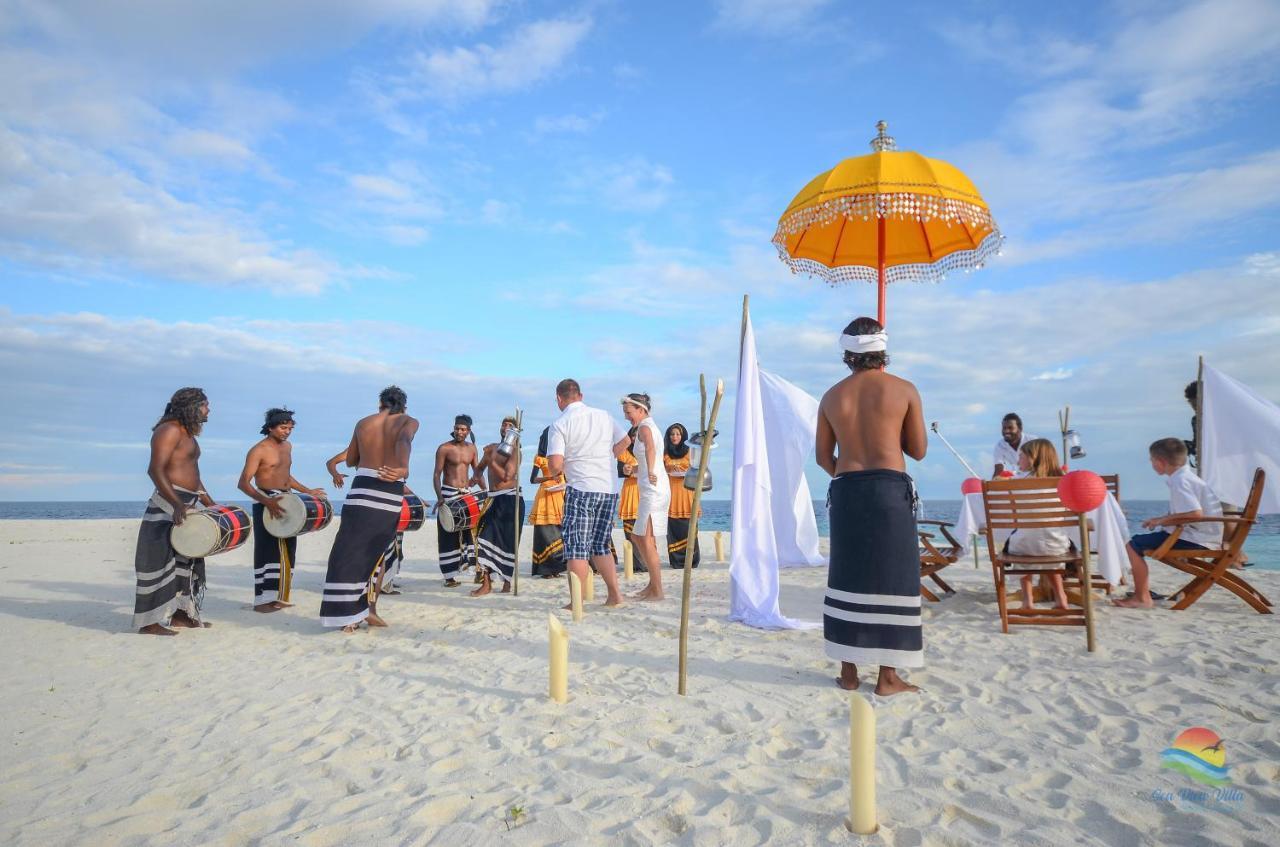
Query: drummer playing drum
456, 468
266, 476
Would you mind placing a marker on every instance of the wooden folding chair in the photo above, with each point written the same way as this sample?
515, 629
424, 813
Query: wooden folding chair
1033, 503
934, 558
1212, 567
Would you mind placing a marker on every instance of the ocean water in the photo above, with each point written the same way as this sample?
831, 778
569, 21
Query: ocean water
1263, 545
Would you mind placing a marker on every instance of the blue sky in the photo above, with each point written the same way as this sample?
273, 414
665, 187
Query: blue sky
301, 202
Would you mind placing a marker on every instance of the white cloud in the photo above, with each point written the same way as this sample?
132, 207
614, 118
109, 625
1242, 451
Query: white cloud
1053, 375
630, 185
64, 205
767, 17
527, 56
1087, 148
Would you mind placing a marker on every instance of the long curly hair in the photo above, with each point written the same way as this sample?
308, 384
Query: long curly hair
1043, 457
184, 409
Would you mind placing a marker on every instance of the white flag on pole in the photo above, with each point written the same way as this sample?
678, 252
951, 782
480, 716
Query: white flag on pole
753, 561
1241, 432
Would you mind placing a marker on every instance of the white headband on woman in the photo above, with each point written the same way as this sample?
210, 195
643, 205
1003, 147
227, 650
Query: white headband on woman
634, 402
873, 343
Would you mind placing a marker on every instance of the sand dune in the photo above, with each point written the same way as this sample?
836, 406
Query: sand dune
268, 730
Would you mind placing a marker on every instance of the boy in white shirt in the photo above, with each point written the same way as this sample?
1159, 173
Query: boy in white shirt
1189, 497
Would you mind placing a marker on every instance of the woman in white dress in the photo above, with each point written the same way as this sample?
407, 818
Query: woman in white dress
655, 491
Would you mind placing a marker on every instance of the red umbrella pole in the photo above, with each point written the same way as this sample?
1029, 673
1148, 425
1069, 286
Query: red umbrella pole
881, 284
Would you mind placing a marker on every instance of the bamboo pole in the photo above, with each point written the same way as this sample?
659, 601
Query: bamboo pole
575, 597
1086, 581
628, 561
719, 546
704, 458
1198, 433
862, 766
558, 641
589, 587
1064, 424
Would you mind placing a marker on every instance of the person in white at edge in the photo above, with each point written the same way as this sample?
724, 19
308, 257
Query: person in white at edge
1005, 454
1189, 497
584, 444
655, 491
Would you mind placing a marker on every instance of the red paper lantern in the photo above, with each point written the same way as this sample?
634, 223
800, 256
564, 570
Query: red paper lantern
1082, 491
972, 485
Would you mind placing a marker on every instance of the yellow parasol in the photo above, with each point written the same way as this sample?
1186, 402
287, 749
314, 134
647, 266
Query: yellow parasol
887, 217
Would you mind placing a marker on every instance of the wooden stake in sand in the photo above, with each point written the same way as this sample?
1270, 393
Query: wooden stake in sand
862, 766
589, 587
704, 458
1086, 582
628, 561
719, 546
559, 641
575, 596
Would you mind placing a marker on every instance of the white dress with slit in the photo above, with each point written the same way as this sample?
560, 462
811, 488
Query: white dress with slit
655, 499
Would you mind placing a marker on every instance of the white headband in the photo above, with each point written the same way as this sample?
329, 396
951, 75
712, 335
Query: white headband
873, 343
634, 402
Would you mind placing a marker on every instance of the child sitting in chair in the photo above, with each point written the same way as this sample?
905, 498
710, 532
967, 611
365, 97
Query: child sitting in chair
1189, 497
1038, 458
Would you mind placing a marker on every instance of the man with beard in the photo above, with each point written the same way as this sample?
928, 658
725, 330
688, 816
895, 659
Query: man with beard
498, 537
265, 478
171, 587
455, 469
1006, 450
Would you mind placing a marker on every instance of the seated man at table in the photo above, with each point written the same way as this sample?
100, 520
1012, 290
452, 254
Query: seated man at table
1189, 497
1005, 453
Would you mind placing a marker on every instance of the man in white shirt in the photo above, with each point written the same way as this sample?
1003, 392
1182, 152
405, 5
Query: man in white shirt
1005, 454
584, 443
1189, 497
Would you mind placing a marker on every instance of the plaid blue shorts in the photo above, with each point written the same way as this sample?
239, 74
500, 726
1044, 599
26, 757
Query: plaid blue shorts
588, 523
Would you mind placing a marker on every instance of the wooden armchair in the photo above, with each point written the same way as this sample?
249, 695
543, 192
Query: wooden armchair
1212, 567
935, 557
1033, 503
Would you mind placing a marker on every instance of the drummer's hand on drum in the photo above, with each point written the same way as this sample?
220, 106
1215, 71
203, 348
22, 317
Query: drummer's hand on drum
179, 513
273, 506
318, 492
338, 479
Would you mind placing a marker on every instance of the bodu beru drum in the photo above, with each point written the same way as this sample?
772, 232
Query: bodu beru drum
207, 532
463, 511
413, 513
302, 514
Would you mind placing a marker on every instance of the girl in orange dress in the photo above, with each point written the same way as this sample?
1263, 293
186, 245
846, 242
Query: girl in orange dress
675, 456
629, 499
546, 516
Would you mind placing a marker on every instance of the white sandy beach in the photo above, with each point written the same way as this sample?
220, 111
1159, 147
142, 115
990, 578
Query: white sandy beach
267, 730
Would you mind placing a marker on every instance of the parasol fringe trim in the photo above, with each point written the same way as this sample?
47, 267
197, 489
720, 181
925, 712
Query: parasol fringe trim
903, 205
961, 260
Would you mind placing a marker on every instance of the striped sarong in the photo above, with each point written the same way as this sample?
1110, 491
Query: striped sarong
548, 550
392, 558
266, 554
678, 543
871, 613
455, 548
167, 582
370, 514
498, 537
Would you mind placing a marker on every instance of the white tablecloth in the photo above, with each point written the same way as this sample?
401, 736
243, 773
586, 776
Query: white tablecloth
1108, 539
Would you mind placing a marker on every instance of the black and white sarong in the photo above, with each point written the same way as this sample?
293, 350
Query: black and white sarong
497, 538
871, 614
266, 554
167, 582
548, 550
455, 548
370, 514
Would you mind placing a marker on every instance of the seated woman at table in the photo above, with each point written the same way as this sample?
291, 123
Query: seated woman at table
1038, 458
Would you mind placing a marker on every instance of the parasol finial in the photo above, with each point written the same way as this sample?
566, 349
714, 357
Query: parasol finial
883, 141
